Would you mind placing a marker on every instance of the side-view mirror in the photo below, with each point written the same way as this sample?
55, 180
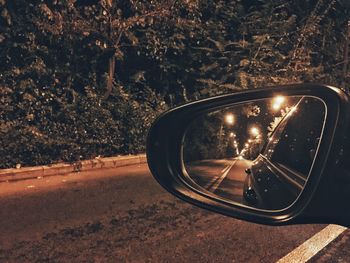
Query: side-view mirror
274, 156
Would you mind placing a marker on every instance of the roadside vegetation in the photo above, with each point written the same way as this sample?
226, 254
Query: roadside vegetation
81, 79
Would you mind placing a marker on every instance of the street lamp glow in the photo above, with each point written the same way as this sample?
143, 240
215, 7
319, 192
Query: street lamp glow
276, 106
229, 118
232, 134
277, 102
279, 99
254, 131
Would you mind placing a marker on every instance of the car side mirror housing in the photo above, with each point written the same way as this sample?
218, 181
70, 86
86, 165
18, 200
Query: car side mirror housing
275, 156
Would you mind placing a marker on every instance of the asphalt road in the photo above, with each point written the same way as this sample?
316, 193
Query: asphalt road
123, 215
223, 177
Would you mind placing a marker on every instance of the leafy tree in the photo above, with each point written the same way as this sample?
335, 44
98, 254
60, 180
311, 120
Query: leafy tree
80, 78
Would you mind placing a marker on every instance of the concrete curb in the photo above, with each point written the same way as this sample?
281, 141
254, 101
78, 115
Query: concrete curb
13, 174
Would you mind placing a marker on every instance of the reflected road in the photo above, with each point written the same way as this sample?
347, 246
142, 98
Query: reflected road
223, 177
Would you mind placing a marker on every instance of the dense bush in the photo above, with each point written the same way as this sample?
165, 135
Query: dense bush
80, 79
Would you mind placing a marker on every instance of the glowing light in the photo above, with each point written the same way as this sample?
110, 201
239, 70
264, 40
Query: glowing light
280, 99
229, 118
276, 106
254, 131
277, 102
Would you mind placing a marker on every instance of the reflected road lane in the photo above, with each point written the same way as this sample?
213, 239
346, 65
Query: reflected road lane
223, 177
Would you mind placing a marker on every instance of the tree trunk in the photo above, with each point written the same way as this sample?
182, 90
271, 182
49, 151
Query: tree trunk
344, 85
111, 61
111, 69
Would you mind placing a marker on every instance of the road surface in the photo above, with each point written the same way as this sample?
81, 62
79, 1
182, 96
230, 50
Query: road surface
123, 215
224, 178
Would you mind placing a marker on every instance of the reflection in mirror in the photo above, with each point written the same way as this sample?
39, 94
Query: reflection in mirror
259, 153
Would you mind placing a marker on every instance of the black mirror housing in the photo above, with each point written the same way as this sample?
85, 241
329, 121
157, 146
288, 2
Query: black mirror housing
324, 197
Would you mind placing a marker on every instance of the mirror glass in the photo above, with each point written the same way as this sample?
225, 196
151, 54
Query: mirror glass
258, 153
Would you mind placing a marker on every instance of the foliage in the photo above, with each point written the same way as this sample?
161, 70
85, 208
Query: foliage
273, 125
80, 78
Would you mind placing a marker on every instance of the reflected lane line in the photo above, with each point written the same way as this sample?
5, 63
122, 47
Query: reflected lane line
212, 181
221, 178
223, 170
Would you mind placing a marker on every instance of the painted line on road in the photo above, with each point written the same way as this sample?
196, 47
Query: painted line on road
313, 245
223, 170
212, 181
221, 178
215, 178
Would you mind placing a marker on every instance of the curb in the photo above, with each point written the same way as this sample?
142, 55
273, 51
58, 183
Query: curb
13, 174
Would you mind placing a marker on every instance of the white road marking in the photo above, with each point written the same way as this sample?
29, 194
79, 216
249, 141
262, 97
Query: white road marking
212, 181
223, 170
313, 245
221, 178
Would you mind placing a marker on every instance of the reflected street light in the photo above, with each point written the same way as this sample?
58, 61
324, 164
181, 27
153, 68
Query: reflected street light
254, 131
229, 118
277, 102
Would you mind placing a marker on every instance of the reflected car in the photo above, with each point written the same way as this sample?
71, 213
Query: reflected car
278, 175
